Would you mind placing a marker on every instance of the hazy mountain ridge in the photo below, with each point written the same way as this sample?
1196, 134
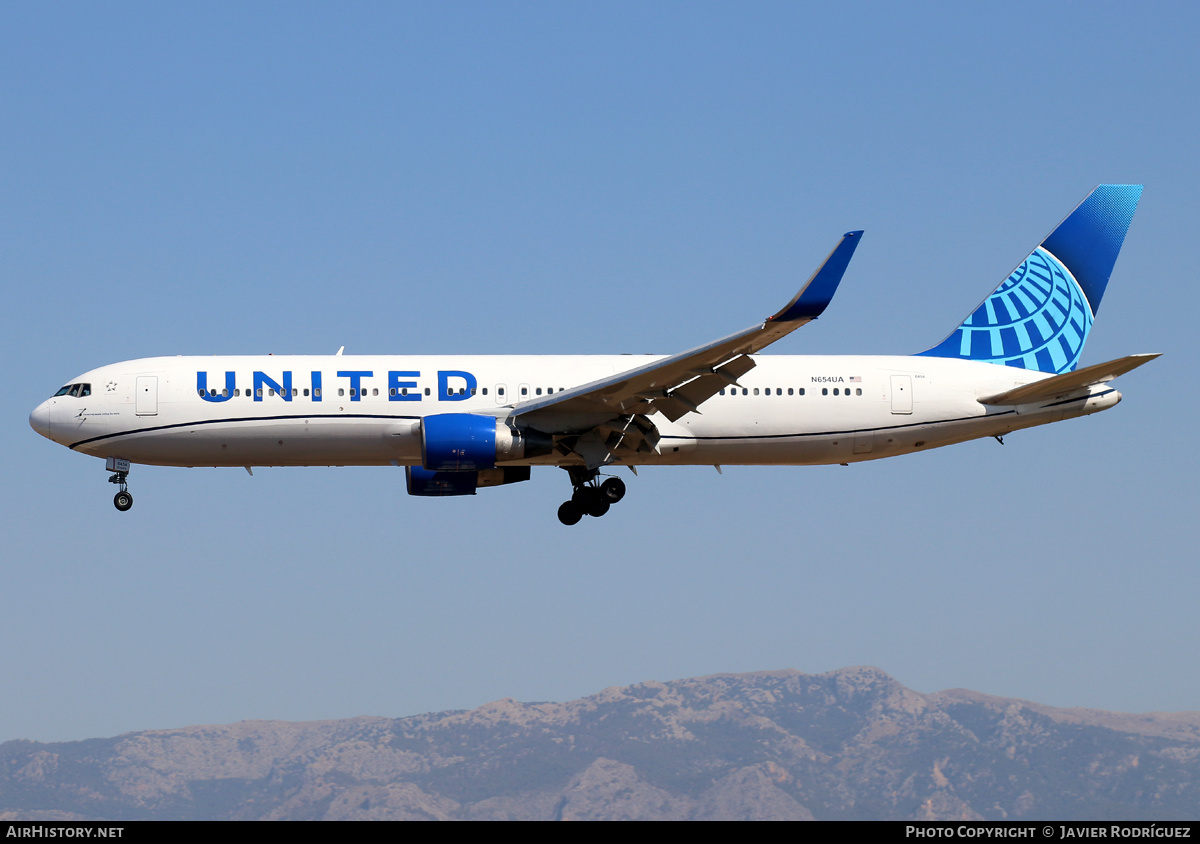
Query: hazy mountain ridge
852, 743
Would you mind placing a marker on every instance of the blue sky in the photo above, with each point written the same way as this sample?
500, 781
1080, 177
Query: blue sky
584, 178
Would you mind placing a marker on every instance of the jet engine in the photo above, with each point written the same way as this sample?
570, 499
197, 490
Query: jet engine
427, 483
468, 442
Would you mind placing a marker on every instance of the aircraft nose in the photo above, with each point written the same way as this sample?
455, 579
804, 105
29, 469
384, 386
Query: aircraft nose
39, 420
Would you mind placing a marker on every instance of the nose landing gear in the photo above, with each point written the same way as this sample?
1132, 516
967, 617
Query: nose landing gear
590, 497
120, 469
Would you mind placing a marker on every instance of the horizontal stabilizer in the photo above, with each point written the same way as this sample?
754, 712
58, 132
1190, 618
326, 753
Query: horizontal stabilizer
1058, 386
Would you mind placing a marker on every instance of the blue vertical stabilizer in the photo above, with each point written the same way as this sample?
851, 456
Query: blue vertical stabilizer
1040, 316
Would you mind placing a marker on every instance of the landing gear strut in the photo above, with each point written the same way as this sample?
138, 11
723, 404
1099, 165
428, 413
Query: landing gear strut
590, 497
120, 469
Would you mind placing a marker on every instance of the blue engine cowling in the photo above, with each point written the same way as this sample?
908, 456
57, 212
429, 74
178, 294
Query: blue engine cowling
427, 483
468, 442
458, 442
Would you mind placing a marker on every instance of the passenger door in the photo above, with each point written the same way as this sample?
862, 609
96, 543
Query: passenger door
147, 395
902, 400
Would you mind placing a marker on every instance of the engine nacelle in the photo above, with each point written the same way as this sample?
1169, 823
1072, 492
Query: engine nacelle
424, 482
468, 442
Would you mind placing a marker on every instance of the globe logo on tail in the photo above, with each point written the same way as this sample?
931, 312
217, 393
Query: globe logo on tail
1037, 319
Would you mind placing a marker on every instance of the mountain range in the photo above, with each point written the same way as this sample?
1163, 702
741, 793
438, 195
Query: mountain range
848, 744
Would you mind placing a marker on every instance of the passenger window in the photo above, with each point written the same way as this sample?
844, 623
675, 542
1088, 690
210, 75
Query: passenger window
258, 392
824, 391
858, 392
539, 391
316, 392
801, 391
485, 391
296, 392
341, 391
790, 391
756, 391
426, 391
835, 391
306, 391
225, 392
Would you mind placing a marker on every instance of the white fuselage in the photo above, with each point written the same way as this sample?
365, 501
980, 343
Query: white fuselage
363, 410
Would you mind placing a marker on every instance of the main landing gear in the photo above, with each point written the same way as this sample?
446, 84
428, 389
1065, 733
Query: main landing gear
590, 496
120, 469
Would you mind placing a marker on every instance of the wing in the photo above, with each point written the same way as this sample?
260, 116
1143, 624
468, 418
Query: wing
677, 385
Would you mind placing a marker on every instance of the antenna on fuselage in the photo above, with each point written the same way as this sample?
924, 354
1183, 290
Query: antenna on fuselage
338, 353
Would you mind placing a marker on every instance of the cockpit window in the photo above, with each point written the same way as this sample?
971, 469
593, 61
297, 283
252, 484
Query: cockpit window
76, 390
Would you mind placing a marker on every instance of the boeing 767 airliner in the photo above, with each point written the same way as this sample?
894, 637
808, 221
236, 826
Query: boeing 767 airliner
458, 423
